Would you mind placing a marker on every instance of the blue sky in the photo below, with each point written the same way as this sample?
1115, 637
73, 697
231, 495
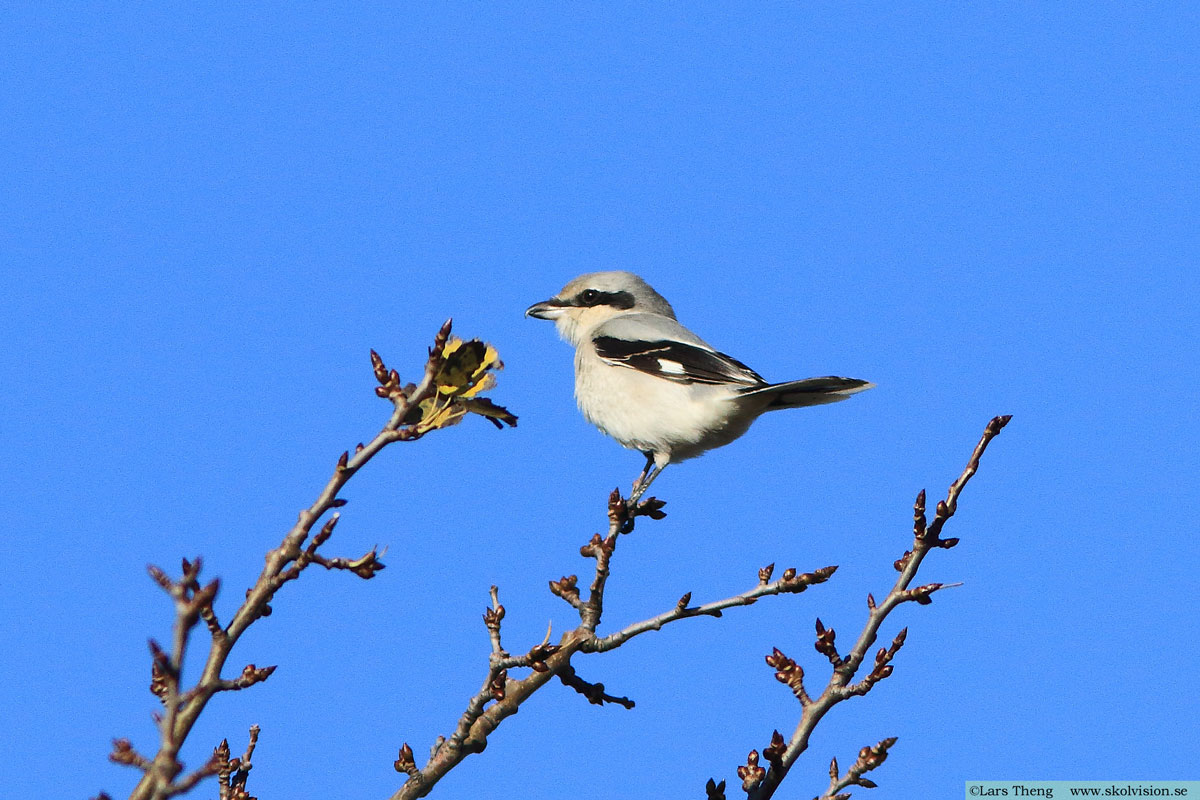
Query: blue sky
213, 213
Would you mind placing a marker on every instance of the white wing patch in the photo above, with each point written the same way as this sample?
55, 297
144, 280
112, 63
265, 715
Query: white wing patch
671, 367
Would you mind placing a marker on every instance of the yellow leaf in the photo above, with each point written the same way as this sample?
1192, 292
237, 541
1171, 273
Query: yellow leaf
439, 412
465, 373
465, 368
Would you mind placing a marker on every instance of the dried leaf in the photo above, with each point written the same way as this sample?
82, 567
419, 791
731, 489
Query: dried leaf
466, 371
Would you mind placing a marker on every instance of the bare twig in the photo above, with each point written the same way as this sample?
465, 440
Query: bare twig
232, 773
491, 618
441, 398
505, 695
760, 783
868, 759
594, 692
789, 583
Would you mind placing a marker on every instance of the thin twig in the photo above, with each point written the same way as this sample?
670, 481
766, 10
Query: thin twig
284, 563
594, 692
547, 661
789, 584
760, 783
868, 759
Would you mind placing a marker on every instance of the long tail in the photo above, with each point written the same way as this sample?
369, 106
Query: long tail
810, 391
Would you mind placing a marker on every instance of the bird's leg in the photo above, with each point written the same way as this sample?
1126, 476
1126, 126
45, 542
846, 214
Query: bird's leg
645, 484
645, 470
649, 473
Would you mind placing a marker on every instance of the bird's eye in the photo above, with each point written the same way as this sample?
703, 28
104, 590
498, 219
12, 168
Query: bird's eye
589, 297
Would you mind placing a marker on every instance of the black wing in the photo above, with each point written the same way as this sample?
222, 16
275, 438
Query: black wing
676, 361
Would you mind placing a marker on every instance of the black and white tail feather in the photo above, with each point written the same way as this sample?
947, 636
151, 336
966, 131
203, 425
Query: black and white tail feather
811, 391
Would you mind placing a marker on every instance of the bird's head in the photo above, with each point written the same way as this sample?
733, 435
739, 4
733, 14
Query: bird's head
598, 296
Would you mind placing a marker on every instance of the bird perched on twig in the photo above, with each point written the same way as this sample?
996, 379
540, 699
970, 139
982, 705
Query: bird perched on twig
653, 385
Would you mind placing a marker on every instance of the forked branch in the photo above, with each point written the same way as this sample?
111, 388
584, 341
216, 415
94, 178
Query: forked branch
501, 695
455, 374
760, 782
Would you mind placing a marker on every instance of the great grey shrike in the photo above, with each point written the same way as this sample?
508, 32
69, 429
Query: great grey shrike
653, 385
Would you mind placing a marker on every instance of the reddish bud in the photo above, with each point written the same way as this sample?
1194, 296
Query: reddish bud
405, 763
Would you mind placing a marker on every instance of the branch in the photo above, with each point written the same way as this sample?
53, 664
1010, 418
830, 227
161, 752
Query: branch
868, 759
455, 373
505, 694
232, 773
760, 783
789, 583
594, 692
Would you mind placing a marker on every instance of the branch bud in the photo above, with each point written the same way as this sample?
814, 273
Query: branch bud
825, 644
788, 672
123, 753
566, 587
919, 520
252, 675
492, 617
751, 773
538, 654
160, 578
404, 762
378, 368
325, 532
498, 684
774, 753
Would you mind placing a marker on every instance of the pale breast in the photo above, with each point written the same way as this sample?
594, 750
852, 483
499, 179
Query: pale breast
649, 414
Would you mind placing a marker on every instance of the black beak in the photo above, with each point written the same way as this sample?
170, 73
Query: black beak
547, 309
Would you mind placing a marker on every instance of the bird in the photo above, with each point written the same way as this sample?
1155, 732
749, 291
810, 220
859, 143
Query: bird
644, 379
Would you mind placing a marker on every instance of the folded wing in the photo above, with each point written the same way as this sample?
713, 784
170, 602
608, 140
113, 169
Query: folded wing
676, 361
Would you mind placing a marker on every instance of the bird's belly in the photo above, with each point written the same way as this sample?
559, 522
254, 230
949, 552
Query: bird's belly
649, 414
